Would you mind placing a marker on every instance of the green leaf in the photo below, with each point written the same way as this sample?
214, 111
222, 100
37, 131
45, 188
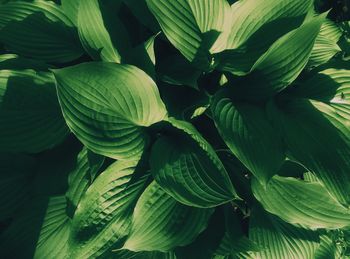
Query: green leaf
327, 248
279, 239
39, 29
41, 228
326, 44
312, 140
108, 106
185, 165
247, 132
82, 176
102, 218
283, 61
95, 32
71, 8
193, 26
160, 223
31, 120
255, 26
304, 203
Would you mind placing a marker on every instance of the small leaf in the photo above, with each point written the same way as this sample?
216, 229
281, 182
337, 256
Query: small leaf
160, 223
187, 168
249, 135
39, 29
108, 106
304, 203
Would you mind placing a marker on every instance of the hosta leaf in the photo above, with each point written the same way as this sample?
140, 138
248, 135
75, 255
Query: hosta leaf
94, 30
279, 239
187, 168
108, 106
42, 229
305, 203
327, 248
326, 44
255, 25
283, 61
247, 132
313, 141
82, 176
193, 26
160, 223
39, 29
31, 120
71, 8
15, 174
102, 218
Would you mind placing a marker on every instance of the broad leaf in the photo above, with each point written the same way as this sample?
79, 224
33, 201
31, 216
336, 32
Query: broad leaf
31, 120
94, 20
82, 176
313, 141
247, 132
185, 165
71, 8
193, 26
279, 239
255, 25
283, 61
108, 106
39, 29
327, 248
305, 203
102, 218
326, 44
160, 223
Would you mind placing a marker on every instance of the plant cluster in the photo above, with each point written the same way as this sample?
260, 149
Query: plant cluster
174, 129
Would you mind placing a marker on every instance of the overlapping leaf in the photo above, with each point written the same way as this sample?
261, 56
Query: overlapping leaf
39, 29
193, 26
279, 239
305, 203
107, 106
160, 223
313, 140
187, 168
255, 25
94, 19
249, 135
31, 120
102, 218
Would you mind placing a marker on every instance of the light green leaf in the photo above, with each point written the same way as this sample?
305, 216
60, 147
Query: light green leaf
315, 142
326, 44
160, 223
94, 31
304, 203
31, 120
108, 106
327, 248
279, 239
193, 26
255, 25
283, 61
247, 132
186, 166
102, 218
71, 8
39, 29
82, 176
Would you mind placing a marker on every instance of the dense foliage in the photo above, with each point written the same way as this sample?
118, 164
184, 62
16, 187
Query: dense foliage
174, 129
